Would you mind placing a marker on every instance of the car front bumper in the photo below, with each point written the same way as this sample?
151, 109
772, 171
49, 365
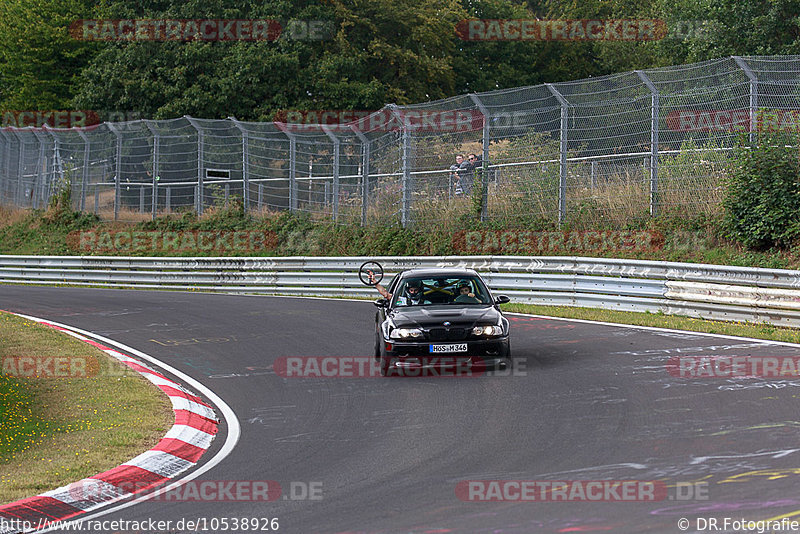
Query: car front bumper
480, 353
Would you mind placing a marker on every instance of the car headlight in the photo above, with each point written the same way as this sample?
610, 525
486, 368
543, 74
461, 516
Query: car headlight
405, 333
492, 330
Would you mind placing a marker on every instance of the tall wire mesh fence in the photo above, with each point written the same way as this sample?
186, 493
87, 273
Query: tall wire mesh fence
605, 150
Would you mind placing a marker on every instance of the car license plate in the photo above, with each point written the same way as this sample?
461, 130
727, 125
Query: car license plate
453, 347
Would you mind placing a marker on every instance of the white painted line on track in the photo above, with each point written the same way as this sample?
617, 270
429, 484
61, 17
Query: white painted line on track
232, 421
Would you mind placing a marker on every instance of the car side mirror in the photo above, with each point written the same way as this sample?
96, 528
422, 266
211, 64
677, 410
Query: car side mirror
502, 299
381, 303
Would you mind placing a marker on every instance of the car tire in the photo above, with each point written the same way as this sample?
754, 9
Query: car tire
377, 349
507, 358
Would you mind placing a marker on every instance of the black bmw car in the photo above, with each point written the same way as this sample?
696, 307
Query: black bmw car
440, 319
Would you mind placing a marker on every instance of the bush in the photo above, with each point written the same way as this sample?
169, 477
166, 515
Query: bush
762, 198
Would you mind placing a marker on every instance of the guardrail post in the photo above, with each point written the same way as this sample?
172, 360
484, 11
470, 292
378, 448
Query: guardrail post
156, 170
118, 171
485, 169
245, 163
405, 155
365, 146
85, 172
654, 105
753, 95
199, 202
335, 141
562, 165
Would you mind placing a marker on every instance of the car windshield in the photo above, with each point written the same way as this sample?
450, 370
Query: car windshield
452, 291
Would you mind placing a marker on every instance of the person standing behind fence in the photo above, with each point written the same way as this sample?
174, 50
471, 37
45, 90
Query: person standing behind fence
478, 166
455, 170
466, 174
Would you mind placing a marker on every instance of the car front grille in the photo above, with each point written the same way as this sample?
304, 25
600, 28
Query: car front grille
447, 334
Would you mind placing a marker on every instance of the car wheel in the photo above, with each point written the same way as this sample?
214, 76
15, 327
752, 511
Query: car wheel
507, 360
505, 365
377, 349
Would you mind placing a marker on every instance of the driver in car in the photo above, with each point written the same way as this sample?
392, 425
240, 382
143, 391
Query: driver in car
465, 295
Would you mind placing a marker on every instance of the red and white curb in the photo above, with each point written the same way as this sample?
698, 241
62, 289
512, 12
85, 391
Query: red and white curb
195, 426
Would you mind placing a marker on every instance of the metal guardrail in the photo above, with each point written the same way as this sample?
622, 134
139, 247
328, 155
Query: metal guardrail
698, 290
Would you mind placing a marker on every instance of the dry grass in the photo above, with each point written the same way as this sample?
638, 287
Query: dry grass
125, 214
12, 215
58, 430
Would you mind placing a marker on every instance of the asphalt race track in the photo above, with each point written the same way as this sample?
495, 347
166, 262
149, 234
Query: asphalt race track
586, 402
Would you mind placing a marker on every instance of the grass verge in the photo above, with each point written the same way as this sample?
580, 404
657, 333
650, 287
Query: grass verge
59, 429
660, 320
696, 240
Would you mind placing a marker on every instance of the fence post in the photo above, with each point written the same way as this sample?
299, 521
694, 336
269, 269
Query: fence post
7, 160
199, 202
156, 170
485, 169
85, 173
335, 141
20, 168
753, 95
562, 164
118, 171
654, 106
365, 146
292, 167
245, 163
58, 164
405, 155
37, 189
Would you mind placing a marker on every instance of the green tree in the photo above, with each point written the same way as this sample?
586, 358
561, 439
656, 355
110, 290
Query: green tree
753, 27
379, 52
40, 63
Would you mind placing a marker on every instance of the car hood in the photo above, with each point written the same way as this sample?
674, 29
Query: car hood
429, 316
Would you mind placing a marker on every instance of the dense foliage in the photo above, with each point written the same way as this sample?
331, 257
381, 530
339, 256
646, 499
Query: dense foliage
374, 52
762, 203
